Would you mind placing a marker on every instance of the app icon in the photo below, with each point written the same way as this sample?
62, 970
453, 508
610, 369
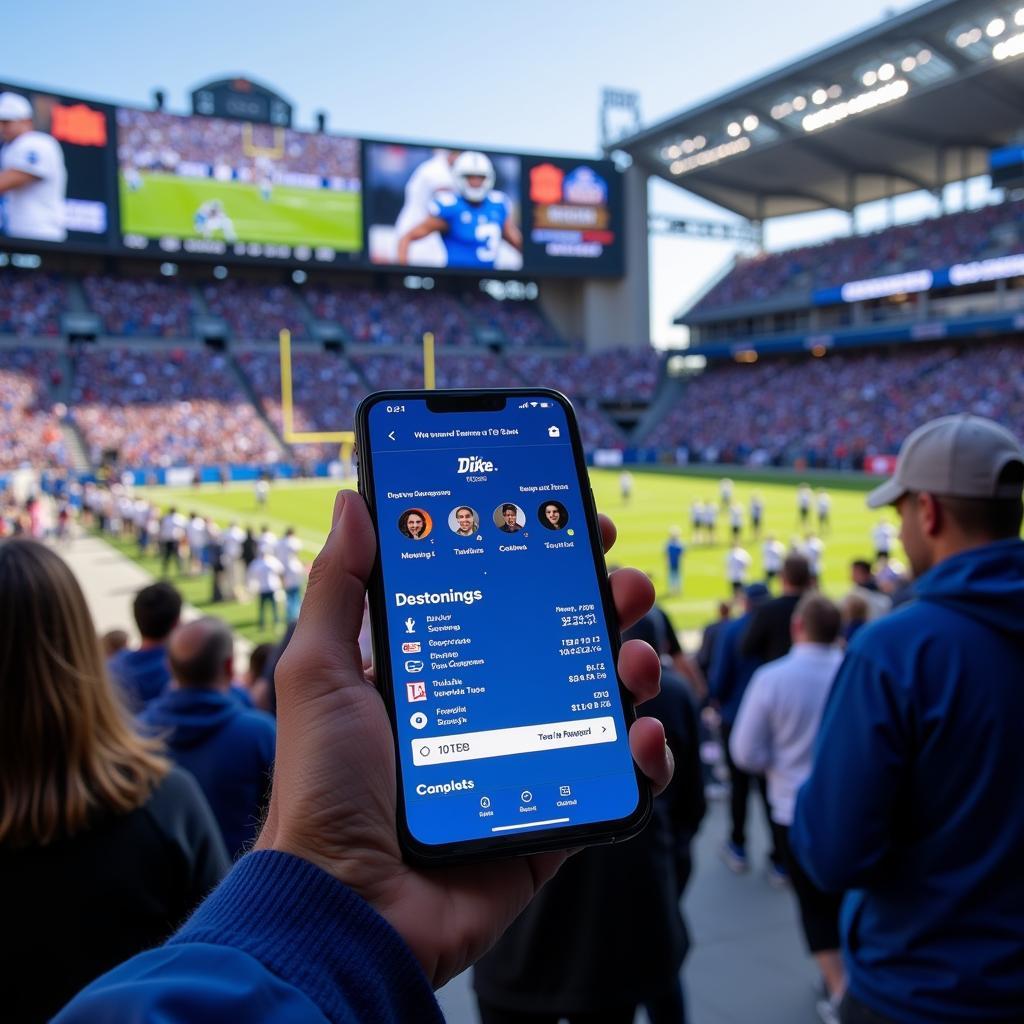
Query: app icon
410, 625
414, 666
565, 791
412, 647
485, 802
554, 432
415, 691
526, 796
418, 720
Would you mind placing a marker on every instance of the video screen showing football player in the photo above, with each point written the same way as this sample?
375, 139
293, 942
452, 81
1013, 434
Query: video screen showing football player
472, 220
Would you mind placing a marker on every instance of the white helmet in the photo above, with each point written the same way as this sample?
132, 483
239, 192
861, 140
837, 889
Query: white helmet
473, 165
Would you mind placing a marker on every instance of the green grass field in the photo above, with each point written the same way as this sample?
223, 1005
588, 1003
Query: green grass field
659, 501
166, 205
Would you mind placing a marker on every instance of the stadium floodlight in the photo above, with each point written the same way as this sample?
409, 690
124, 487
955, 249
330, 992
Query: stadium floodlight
908, 64
886, 72
819, 97
996, 27
750, 123
859, 104
869, 78
734, 129
710, 156
1012, 47
923, 56
1018, 18
700, 142
834, 91
781, 110
799, 103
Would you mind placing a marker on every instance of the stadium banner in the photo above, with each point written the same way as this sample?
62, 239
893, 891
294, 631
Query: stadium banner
64, 146
880, 465
445, 208
208, 186
573, 214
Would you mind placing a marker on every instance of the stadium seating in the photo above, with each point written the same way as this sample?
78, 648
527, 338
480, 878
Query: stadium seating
396, 317
325, 392
519, 323
928, 244
31, 303
255, 311
30, 432
183, 407
617, 375
835, 411
140, 307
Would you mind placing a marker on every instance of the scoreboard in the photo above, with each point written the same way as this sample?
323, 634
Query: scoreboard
235, 181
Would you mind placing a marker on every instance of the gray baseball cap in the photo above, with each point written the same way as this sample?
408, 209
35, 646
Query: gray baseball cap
960, 456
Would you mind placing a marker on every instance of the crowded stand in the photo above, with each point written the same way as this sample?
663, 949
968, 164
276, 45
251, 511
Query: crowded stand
31, 304
185, 408
256, 310
30, 433
396, 317
325, 392
478, 370
151, 140
834, 412
391, 371
926, 245
615, 375
139, 307
519, 323
597, 430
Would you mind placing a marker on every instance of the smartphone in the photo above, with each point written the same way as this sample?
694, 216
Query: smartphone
495, 636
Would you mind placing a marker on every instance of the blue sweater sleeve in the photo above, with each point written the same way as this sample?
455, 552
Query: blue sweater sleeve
845, 813
278, 940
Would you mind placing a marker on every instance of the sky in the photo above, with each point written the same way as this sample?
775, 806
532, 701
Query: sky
527, 76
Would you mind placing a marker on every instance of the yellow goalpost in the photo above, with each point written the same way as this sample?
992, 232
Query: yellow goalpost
345, 438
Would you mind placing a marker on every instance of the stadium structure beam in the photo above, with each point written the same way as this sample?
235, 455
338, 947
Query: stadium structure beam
663, 224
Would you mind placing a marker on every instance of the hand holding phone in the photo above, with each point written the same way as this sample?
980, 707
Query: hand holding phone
334, 795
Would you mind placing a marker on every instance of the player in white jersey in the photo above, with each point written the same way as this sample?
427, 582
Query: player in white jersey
813, 549
883, 534
756, 514
725, 491
824, 505
736, 520
33, 178
803, 503
211, 218
737, 565
431, 177
773, 554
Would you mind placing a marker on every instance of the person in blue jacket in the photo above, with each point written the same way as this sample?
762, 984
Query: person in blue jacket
915, 802
228, 747
324, 920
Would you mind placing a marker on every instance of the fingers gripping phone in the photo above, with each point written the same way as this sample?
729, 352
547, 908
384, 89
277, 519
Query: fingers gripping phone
495, 636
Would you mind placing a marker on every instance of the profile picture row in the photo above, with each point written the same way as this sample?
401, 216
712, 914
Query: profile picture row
464, 520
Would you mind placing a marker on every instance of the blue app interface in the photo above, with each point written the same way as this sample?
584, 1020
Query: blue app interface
509, 719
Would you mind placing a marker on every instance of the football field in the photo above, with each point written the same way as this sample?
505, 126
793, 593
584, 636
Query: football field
166, 204
659, 501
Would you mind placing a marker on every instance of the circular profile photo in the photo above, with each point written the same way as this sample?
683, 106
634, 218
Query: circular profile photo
553, 515
415, 524
464, 521
509, 518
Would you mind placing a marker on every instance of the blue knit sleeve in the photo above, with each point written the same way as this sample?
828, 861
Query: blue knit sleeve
279, 939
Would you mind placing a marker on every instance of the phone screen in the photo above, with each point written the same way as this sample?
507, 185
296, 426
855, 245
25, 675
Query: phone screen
509, 718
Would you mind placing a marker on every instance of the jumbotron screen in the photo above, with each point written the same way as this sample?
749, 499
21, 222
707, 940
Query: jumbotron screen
60, 149
208, 186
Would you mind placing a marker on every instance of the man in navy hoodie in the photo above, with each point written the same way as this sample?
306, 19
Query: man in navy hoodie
143, 674
226, 746
324, 920
915, 803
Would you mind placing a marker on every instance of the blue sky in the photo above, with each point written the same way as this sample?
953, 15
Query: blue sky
525, 76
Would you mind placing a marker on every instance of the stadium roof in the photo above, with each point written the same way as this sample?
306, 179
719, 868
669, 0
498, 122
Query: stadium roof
913, 103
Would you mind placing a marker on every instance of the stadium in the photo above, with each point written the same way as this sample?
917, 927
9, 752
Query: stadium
225, 286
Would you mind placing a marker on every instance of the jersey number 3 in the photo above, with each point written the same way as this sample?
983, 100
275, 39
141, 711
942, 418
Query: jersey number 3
488, 235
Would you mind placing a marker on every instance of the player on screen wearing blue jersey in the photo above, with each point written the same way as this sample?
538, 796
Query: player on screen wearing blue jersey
472, 221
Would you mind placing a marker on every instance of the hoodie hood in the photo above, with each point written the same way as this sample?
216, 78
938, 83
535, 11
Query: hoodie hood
986, 584
194, 716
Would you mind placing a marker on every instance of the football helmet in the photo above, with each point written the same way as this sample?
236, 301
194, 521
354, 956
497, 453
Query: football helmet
473, 165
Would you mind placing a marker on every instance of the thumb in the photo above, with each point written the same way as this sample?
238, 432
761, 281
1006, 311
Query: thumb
327, 633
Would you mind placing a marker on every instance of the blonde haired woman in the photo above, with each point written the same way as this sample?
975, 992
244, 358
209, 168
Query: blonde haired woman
104, 847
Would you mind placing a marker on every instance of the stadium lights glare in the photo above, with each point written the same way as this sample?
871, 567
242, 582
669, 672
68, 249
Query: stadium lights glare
710, 156
923, 56
819, 97
1012, 47
781, 110
908, 64
895, 90
799, 103
869, 78
995, 27
1018, 18
886, 72
750, 122
734, 129
834, 92
968, 38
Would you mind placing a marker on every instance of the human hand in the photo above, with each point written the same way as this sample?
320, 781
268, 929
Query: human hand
334, 794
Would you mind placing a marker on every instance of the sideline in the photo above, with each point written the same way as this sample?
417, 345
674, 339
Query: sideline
110, 581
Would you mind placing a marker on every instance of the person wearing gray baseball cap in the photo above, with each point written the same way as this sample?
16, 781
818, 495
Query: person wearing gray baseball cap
914, 805
33, 176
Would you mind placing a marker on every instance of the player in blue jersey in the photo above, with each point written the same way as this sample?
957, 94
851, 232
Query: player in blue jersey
472, 220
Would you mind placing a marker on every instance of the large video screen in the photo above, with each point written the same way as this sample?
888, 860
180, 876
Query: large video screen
206, 185
59, 151
450, 208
